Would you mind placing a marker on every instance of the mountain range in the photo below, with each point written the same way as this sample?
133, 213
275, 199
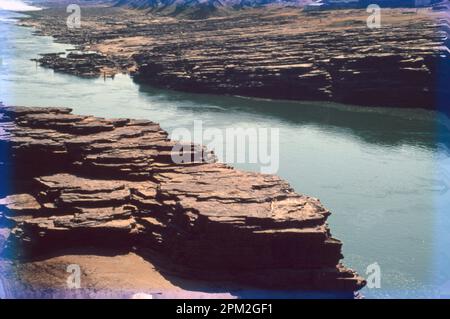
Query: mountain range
199, 9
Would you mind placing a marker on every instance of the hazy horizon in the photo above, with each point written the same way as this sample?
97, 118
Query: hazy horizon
16, 5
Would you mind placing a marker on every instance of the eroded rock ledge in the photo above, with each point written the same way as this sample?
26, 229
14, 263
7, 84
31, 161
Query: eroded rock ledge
77, 181
405, 64
269, 53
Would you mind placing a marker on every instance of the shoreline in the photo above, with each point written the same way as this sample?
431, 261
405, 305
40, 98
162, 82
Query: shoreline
328, 103
117, 189
124, 113
120, 52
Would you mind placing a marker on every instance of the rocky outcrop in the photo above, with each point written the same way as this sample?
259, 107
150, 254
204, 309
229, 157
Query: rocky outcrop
84, 64
405, 65
276, 53
77, 181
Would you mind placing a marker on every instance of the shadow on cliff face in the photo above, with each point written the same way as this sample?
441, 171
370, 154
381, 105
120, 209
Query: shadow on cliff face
121, 272
118, 273
376, 125
158, 224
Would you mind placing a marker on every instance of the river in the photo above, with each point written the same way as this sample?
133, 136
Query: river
383, 173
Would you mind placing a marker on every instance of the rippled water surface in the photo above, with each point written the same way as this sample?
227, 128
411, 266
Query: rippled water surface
382, 172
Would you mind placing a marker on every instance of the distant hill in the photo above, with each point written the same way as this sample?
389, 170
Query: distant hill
199, 9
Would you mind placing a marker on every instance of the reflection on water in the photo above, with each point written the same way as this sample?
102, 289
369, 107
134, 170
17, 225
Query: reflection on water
375, 169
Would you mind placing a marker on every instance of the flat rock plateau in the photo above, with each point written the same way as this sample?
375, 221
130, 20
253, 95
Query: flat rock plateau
106, 194
275, 52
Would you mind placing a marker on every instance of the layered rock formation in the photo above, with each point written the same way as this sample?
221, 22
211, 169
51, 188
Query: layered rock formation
275, 53
88, 64
77, 181
404, 65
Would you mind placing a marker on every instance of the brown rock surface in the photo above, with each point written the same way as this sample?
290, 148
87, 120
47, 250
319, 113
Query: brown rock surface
279, 53
80, 181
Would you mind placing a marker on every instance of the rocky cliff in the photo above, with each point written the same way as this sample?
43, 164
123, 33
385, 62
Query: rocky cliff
403, 64
78, 181
271, 53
